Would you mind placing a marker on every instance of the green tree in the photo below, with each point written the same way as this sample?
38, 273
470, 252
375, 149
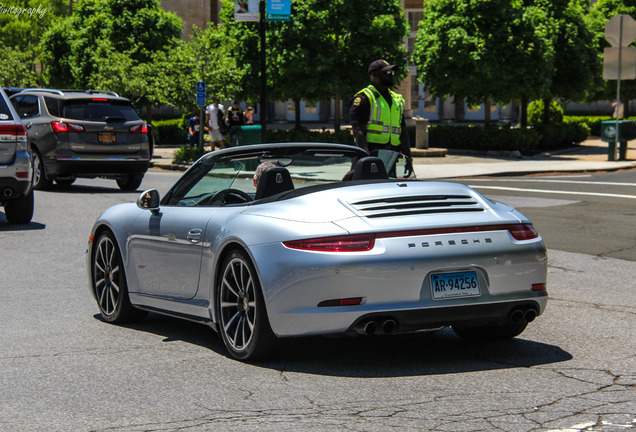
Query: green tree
495, 50
575, 51
111, 44
324, 51
600, 13
22, 24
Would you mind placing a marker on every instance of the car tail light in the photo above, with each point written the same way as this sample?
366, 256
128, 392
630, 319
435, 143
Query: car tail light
538, 287
60, 126
139, 128
100, 100
14, 129
518, 231
350, 243
341, 302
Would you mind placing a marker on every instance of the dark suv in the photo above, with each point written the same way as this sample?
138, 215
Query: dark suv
83, 134
16, 172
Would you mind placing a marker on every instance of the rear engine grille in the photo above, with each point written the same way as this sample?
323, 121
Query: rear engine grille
414, 205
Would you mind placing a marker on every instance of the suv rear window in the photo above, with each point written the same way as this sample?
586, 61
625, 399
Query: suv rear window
4, 109
108, 110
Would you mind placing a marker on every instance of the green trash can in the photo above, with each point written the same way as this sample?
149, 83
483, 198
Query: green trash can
627, 129
245, 135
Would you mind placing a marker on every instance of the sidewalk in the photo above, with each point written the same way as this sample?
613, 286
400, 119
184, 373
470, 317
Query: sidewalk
590, 156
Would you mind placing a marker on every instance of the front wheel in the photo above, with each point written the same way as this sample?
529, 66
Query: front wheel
241, 312
109, 282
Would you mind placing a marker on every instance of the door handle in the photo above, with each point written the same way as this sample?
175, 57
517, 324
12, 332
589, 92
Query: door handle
194, 235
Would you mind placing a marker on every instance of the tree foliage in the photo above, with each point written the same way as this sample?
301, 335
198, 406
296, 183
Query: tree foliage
506, 50
600, 13
111, 44
325, 49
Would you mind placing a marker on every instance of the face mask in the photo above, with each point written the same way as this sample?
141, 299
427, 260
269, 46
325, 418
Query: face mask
386, 78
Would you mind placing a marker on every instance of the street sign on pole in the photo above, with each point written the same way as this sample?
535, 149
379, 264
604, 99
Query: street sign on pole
200, 93
627, 61
278, 10
620, 30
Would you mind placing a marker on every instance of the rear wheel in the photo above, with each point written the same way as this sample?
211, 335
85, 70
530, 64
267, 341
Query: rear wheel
109, 282
491, 332
65, 181
243, 321
20, 210
40, 182
130, 183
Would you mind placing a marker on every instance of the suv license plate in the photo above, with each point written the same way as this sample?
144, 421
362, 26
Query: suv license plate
453, 285
107, 138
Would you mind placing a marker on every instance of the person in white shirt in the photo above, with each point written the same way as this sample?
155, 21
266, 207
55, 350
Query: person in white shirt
215, 119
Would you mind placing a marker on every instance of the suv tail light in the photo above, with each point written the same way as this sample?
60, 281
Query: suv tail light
14, 129
60, 126
139, 128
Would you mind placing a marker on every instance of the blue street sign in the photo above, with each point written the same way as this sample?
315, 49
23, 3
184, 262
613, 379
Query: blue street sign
200, 93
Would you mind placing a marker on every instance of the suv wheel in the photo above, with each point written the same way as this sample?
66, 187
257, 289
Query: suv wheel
19, 210
130, 183
40, 182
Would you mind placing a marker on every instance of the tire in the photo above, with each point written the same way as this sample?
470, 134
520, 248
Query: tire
40, 182
108, 280
65, 181
19, 210
492, 332
242, 316
130, 183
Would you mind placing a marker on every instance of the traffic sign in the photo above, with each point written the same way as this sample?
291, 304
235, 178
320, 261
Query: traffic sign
620, 30
627, 61
200, 93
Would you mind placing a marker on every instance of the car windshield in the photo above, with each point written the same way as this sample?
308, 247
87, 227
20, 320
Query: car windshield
99, 110
306, 166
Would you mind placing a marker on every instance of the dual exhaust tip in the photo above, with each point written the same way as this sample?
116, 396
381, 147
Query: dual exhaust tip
519, 315
372, 327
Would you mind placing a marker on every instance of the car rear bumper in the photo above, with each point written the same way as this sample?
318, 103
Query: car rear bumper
16, 179
97, 166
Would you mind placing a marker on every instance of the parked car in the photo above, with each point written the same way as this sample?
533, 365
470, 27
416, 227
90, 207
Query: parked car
83, 134
306, 252
16, 171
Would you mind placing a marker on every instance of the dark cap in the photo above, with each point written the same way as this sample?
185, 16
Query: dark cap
380, 66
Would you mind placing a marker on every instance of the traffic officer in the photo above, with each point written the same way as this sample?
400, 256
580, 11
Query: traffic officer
377, 115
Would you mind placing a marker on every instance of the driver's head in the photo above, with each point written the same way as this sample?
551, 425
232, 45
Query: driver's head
259, 171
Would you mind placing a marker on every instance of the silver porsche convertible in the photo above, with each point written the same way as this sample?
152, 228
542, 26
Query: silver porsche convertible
269, 241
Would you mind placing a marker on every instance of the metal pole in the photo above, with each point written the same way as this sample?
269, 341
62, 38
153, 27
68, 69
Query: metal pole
618, 86
263, 113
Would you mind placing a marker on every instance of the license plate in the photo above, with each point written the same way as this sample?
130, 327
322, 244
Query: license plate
107, 138
453, 285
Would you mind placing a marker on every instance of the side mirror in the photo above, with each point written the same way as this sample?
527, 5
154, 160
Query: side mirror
149, 200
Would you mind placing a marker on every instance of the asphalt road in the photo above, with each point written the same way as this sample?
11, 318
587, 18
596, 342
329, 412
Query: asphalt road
62, 368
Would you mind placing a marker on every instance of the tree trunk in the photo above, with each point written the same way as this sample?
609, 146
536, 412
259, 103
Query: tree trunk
297, 113
547, 101
523, 112
487, 105
336, 112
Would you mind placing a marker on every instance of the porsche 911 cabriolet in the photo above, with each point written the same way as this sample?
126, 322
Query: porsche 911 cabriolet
270, 241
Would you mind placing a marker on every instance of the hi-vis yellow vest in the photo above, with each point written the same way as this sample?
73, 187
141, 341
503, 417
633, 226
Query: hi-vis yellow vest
384, 122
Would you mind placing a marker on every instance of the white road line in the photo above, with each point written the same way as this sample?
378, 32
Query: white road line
554, 192
560, 181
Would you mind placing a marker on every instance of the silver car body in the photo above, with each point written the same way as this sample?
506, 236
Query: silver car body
420, 230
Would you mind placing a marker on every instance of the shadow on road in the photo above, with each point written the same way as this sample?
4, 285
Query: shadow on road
31, 226
441, 352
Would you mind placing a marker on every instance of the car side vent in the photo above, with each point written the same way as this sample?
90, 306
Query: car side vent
414, 205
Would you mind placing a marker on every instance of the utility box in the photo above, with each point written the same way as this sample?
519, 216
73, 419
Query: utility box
245, 135
627, 129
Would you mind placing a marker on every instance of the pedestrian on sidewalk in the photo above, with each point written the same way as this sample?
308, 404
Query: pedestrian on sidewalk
215, 119
194, 125
377, 115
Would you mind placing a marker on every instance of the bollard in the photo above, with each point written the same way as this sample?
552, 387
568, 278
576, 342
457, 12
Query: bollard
421, 133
